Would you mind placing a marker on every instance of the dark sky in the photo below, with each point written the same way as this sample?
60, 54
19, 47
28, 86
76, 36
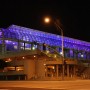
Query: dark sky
74, 15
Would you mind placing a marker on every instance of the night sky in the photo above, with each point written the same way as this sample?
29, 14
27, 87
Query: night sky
74, 16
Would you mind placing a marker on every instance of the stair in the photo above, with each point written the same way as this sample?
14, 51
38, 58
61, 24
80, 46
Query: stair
53, 53
83, 70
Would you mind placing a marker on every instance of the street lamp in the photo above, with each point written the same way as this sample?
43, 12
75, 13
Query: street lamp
56, 22
47, 20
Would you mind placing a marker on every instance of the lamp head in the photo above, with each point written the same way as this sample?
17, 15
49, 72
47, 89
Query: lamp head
47, 20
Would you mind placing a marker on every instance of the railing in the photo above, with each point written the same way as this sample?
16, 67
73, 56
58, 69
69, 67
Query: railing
17, 53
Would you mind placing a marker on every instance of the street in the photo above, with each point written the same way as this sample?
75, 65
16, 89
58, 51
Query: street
45, 85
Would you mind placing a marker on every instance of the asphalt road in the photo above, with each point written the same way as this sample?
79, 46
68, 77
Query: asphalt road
20, 88
45, 85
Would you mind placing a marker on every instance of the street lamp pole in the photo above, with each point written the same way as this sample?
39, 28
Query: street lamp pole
60, 29
62, 39
47, 20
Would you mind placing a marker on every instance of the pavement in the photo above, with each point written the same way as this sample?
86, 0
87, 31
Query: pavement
45, 85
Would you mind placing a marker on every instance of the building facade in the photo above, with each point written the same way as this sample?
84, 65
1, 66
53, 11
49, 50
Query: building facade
32, 54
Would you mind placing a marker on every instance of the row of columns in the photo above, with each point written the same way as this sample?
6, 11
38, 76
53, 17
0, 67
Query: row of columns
69, 71
76, 54
67, 52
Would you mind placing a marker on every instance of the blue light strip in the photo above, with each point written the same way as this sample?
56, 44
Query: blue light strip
27, 34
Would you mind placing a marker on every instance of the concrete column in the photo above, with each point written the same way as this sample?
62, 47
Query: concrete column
67, 70
73, 53
45, 71
3, 47
57, 70
18, 46
24, 45
32, 46
25, 77
74, 70
85, 55
69, 52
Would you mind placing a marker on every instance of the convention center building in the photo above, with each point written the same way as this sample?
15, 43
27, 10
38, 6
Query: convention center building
30, 54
